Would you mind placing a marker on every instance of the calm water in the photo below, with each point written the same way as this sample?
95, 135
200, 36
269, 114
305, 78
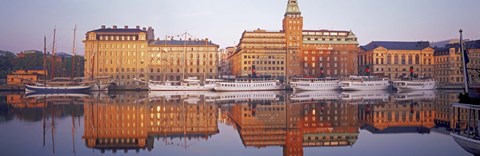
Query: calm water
233, 124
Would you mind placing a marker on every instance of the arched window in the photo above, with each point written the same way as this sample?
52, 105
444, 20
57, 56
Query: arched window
395, 59
403, 58
389, 59
410, 59
417, 59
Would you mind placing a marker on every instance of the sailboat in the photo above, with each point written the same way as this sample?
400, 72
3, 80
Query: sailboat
189, 84
55, 86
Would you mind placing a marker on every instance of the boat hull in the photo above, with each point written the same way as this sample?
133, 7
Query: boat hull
306, 86
408, 85
153, 87
57, 89
358, 86
231, 87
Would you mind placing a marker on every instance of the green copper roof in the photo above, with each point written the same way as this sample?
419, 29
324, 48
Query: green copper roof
292, 8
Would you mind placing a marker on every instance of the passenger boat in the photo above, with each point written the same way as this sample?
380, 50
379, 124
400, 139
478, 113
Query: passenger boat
415, 84
190, 84
365, 83
311, 84
249, 85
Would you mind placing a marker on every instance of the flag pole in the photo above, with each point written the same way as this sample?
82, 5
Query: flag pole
464, 65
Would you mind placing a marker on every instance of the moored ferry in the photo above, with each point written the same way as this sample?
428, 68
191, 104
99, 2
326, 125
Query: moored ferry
415, 84
311, 84
249, 85
365, 83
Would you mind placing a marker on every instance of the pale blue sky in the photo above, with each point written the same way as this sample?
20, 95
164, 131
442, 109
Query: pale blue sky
25, 22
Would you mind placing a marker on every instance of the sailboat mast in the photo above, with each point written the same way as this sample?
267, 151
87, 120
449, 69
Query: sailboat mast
53, 53
165, 57
44, 61
206, 61
184, 55
464, 64
73, 51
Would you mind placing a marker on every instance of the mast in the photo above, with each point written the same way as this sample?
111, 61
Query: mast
165, 57
73, 51
53, 53
206, 61
184, 55
464, 63
44, 61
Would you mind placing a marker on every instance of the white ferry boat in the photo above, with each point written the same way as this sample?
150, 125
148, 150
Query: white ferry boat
415, 95
365, 83
311, 84
191, 84
249, 85
415, 84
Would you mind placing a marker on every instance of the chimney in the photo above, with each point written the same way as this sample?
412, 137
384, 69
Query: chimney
126, 27
103, 27
138, 27
114, 27
144, 29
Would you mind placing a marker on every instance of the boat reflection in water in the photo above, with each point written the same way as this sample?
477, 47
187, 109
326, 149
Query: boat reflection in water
296, 122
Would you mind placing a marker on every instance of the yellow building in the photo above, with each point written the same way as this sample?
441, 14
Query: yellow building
19, 77
120, 53
126, 54
262, 50
395, 59
166, 59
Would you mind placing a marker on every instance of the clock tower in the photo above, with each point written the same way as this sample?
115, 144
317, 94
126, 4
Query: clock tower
293, 27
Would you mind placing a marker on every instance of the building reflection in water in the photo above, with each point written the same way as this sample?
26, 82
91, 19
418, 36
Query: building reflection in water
136, 120
296, 121
411, 112
133, 121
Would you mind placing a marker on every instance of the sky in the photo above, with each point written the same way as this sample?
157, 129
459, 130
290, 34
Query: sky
25, 22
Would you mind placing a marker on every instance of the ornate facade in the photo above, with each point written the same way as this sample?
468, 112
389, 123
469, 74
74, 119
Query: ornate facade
396, 59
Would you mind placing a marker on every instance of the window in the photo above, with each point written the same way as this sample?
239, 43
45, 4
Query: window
417, 59
403, 59
410, 59
395, 59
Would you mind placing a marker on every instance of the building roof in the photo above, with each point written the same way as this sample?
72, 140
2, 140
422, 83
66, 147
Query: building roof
473, 44
116, 30
292, 8
182, 42
392, 45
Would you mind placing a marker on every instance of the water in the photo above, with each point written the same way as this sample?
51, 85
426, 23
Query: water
234, 124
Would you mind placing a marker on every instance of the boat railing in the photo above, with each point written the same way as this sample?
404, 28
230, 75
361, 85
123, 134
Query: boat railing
364, 78
314, 79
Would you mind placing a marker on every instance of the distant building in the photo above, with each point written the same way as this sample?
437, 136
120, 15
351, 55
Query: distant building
396, 59
19, 77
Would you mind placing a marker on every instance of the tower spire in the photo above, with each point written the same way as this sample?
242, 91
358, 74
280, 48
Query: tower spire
292, 8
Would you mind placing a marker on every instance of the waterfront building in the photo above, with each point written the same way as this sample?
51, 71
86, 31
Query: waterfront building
329, 53
448, 64
396, 59
301, 53
259, 51
166, 59
119, 53
20, 77
126, 54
